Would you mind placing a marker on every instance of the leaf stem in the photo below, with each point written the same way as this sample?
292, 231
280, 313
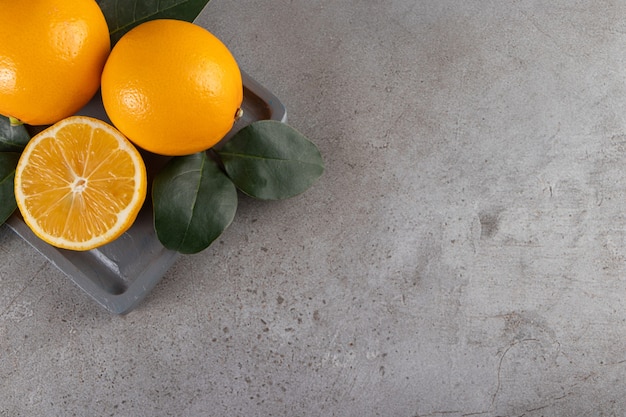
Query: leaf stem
14, 121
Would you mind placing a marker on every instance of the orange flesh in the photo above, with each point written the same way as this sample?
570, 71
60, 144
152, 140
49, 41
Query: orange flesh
80, 185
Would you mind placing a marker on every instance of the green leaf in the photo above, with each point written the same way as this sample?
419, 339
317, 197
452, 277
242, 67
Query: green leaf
271, 161
12, 138
122, 16
194, 202
8, 162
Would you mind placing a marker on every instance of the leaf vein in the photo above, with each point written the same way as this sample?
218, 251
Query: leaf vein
266, 158
148, 16
194, 204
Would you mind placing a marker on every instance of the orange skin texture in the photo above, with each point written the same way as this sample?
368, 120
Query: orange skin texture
172, 87
52, 53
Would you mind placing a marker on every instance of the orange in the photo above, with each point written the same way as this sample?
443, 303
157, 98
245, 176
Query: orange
80, 183
172, 87
51, 57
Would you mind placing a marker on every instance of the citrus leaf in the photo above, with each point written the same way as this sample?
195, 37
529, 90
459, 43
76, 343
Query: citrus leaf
12, 138
122, 16
8, 162
194, 202
271, 161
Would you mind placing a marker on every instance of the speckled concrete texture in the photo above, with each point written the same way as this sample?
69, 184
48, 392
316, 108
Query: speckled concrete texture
464, 253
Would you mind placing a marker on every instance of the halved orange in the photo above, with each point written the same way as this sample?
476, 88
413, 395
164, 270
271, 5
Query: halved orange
80, 183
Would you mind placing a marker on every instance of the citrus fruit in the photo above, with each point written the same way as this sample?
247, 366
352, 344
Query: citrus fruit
80, 183
51, 57
172, 87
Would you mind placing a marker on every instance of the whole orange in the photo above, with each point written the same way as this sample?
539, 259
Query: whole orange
172, 87
51, 57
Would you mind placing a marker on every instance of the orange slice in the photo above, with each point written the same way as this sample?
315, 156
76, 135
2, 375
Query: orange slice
80, 183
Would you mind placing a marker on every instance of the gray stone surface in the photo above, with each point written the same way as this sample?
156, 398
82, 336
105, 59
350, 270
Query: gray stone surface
463, 255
